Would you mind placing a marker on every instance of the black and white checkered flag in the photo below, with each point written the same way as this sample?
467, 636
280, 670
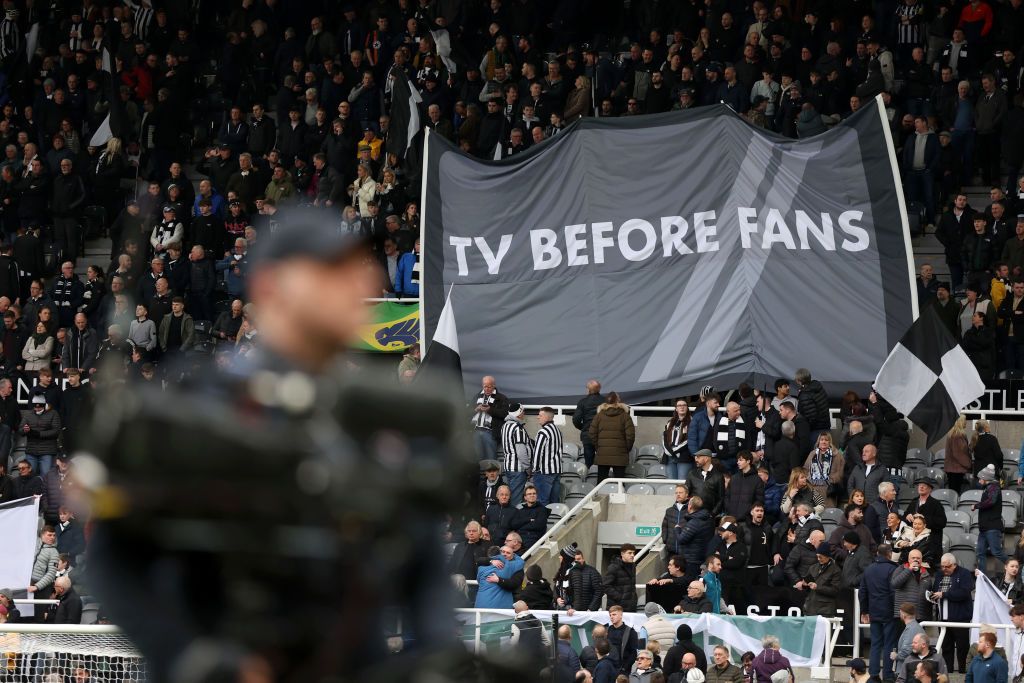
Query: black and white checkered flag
928, 376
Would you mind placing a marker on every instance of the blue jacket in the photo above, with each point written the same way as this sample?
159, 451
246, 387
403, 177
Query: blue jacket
700, 425
693, 538
958, 598
234, 274
404, 286
992, 669
605, 671
714, 591
568, 657
876, 593
492, 595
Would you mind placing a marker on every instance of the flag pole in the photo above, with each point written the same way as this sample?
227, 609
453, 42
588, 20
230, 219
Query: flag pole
423, 244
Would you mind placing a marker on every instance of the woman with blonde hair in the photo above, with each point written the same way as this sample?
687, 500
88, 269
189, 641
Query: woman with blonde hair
957, 461
799, 490
363, 189
580, 102
824, 467
915, 536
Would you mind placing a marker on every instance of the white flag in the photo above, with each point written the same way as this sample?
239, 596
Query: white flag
102, 134
990, 608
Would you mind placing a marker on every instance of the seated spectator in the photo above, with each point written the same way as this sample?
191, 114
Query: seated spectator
696, 601
1008, 582
770, 660
915, 536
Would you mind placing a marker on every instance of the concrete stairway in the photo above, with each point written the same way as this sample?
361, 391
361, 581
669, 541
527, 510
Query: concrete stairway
928, 249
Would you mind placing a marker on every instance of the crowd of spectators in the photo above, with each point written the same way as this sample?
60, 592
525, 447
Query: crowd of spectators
777, 511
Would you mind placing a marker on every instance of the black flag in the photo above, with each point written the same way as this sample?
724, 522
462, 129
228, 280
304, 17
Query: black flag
405, 113
928, 376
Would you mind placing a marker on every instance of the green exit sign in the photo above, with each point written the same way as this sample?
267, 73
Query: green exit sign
648, 530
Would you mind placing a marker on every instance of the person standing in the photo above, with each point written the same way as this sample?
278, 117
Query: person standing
42, 427
612, 433
620, 579
488, 417
586, 410
518, 449
988, 666
876, 604
951, 591
990, 517
676, 451
547, 458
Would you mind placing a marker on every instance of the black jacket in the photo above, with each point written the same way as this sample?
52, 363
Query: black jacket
27, 486
68, 196
710, 488
620, 584
531, 522
799, 562
987, 452
67, 611
71, 540
814, 405
586, 409
673, 517
744, 490
465, 558
537, 594
585, 588
498, 520
673, 661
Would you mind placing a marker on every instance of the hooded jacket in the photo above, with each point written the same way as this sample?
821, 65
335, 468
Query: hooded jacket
620, 584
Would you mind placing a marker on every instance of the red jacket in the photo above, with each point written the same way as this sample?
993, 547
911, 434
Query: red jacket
970, 15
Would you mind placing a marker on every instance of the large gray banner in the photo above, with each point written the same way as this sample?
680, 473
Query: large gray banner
661, 253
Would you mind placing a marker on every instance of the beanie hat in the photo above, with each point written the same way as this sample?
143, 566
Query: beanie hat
653, 608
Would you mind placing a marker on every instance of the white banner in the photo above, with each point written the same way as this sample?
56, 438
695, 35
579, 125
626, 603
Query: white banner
19, 528
739, 633
990, 607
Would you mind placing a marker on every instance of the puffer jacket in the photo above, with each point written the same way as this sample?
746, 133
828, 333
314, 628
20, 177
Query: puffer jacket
583, 417
55, 492
585, 588
693, 539
612, 434
620, 584
910, 587
814, 405
744, 490
43, 431
44, 569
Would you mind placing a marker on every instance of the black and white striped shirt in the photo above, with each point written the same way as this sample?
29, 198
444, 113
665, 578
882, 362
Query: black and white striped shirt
10, 38
547, 454
513, 437
909, 33
78, 41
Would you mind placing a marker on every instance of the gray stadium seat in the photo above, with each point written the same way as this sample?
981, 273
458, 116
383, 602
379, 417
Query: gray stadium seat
665, 490
640, 489
968, 499
657, 471
966, 559
919, 457
959, 517
939, 458
636, 471
905, 495
592, 475
567, 463
1009, 517
581, 470
558, 510
961, 541
1011, 457
834, 515
948, 497
1012, 496
574, 450
608, 488
573, 494
829, 527
651, 451
945, 543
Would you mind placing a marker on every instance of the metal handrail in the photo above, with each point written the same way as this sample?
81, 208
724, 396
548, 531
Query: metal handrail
621, 483
87, 629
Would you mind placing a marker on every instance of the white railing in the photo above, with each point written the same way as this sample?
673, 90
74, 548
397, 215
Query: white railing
76, 629
589, 498
943, 626
394, 300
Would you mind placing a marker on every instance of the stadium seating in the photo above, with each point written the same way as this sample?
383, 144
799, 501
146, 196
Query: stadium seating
918, 457
1011, 457
572, 449
657, 471
966, 559
558, 510
968, 499
961, 541
945, 543
1014, 497
948, 498
905, 495
640, 489
833, 515
939, 458
608, 488
958, 517
649, 453
573, 494
636, 471
665, 490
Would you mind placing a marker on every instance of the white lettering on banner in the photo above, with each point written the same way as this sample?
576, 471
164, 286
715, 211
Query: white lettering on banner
634, 225
545, 252
493, 262
999, 399
673, 230
588, 243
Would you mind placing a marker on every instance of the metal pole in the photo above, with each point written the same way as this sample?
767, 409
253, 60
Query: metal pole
554, 644
856, 624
